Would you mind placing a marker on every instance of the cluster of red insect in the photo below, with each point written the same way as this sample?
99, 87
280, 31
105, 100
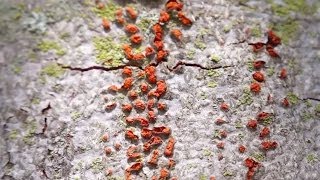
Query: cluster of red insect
152, 137
258, 76
273, 41
255, 87
149, 88
172, 6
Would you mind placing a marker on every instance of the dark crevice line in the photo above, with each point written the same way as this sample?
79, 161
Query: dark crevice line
97, 68
310, 98
181, 63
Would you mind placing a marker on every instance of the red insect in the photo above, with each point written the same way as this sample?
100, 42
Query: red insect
174, 5
252, 124
258, 76
164, 17
136, 39
169, 148
220, 145
252, 165
132, 13
269, 145
256, 47
224, 106
283, 74
263, 116
255, 87
219, 121
146, 133
273, 39
149, 51
258, 64
183, 19
242, 148
285, 102
264, 132
272, 52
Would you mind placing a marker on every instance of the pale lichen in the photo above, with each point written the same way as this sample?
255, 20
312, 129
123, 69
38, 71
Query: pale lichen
198, 43
258, 156
288, 7
256, 31
191, 53
108, 52
46, 46
212, 84
108, 11
97, 165
246, 98
213, 73
311, 158
215, 58
287, 30
270, 71
53, 70
293, 98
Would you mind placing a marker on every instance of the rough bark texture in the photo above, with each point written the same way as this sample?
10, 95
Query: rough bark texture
53, 88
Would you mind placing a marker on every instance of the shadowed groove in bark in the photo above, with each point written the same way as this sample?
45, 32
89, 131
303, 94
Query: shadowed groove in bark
181, 63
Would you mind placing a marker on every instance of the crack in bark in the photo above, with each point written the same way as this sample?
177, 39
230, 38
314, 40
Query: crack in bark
44, 110
97, 68
311, 98
181, 63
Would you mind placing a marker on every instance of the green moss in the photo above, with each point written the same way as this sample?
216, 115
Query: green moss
213, 73
35, 101
108, 52
17, 69
227, 28
60, 52
287, 30
306, 116
256, 31
250, 66
293, 98
215, 58
270, 71
53, 70
191, 53
207, 152
238, 124
241, 136
64, 35
200, 44
203, 177
311, 158
97, 165
115, 178
212, 84
33, 56
31, 130
308, 103
75, 115
46, 46
246, 98
228, 173
13, 134
258, 156
108, 11
289, 6
268, 120
203, 31
145, 23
